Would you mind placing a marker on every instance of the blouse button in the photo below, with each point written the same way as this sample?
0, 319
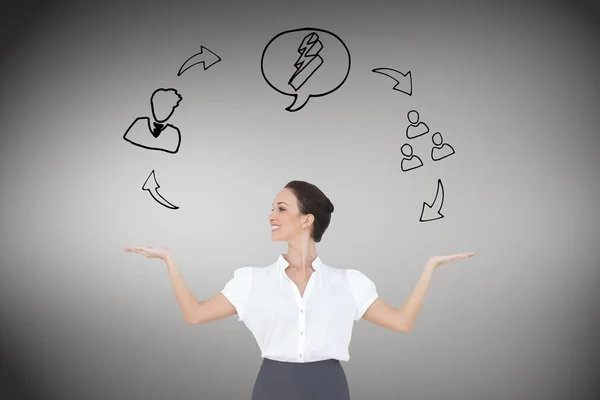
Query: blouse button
301, 311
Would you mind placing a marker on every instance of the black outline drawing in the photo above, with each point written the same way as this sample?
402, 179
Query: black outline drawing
298, 105
207, 59
151, 185
400, 79
308, 62
149, 133
440, 147
439, 199
415, 124
408, 157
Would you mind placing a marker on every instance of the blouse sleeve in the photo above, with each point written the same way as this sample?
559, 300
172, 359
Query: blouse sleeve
363, 291
237, 290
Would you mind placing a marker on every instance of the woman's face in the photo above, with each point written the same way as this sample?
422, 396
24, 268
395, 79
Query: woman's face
285, 219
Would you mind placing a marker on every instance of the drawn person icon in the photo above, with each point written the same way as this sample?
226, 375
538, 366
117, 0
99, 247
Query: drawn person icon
416, 128
409, 161
440, 151
157, 134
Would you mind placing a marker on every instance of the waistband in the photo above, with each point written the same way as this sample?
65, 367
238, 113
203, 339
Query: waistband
327, 361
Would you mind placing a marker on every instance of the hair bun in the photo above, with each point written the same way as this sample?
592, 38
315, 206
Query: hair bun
329, 206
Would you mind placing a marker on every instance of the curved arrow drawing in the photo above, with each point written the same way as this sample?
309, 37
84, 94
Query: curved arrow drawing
207, 58
151, 185
432, 212
403, 81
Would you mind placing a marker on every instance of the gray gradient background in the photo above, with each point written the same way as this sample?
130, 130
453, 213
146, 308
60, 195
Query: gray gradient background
514, 87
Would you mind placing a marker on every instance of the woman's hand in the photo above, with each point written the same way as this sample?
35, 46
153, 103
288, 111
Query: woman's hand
150, 252
436, 261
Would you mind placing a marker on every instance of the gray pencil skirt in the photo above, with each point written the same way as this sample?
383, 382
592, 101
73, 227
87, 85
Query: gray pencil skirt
317, 380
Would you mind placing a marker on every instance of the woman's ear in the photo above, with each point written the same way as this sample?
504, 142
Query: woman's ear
308, 220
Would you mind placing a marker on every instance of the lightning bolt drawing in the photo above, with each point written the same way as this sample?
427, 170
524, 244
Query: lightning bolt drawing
308, 61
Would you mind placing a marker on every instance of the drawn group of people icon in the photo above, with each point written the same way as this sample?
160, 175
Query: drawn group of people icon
439, 150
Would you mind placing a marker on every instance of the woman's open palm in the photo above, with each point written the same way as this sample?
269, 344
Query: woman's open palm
150, 252
436, 261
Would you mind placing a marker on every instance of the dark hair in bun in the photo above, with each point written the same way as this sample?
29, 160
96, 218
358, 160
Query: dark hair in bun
311, 200
329, 205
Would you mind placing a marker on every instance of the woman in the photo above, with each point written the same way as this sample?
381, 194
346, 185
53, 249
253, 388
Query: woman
300, 310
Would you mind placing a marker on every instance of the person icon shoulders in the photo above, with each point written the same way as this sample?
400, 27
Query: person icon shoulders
156, 134
410, 161
416, 128
440, 150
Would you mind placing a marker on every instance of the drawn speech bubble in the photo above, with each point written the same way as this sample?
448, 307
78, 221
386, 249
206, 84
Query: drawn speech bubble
305, 63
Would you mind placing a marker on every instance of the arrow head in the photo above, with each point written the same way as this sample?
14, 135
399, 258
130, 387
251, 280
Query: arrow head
151, 183
206, 57
433, 211
404, 85
210, 58
429, 214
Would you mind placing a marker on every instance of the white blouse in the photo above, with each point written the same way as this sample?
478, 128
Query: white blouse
294, 328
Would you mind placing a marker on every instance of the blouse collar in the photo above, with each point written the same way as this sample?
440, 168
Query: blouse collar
283, 264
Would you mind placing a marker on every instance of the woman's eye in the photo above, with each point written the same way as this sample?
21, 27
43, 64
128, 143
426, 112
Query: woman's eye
281, 209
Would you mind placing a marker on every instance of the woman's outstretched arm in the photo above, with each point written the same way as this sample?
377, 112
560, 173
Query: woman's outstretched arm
193, 310
403, 319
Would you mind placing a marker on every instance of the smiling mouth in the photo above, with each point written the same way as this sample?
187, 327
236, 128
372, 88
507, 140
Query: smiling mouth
274, 228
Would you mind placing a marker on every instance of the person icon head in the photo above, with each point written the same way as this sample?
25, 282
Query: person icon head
437, 139
164, 102
413, 117
407, 150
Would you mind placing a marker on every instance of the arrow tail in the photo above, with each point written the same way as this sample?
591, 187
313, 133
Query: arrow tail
161, 200
439, 194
